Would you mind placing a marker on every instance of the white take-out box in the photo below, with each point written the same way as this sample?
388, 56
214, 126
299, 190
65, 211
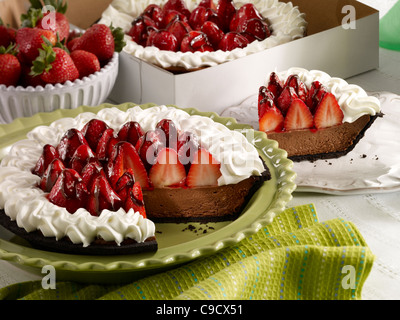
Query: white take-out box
342, 40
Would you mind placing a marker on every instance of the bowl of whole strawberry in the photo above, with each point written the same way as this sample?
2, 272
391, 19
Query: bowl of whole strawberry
46, 66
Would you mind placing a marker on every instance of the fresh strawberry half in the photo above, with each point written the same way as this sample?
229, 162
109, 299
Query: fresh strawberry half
69, 191
170, 131
69, 142
232, 40
177, 5
298, 116
204, 171
82, 156
149, 146
93, 131
131, 132
285, 99
315, 95
196, 41
135, 200
124, 157
49, 153
106, 144
298, 86
163, 40
90, 171
125, 184
225, 11
328, 112
102, 197
187, 147
213, 32
168, 171
275, 85
270, 117
51, 175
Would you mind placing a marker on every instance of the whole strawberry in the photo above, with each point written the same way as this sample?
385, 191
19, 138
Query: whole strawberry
54, 65
86, 62
100, 40
55, 21
10, 68
7, 35
30, 41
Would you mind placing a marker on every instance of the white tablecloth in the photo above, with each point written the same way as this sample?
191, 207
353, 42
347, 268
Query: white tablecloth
377, 215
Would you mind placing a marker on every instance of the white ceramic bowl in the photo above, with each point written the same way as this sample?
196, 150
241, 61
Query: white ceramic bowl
16, 102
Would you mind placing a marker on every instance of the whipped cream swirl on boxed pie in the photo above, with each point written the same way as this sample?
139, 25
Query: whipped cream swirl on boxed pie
353, 100
28, 205
287, 23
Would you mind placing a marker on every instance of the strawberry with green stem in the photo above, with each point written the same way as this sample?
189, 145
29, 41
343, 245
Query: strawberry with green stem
55, 21
10, 67
54, 65
101, 40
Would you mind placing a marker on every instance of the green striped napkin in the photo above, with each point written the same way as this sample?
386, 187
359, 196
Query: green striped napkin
294, 258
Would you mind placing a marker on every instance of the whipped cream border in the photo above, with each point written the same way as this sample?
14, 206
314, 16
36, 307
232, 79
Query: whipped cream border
286, 21
27, 204
352, 99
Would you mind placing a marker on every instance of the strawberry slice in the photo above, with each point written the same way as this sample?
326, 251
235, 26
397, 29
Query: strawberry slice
271, 121
265, 100
188, 145
51, 175
102, 197
135, 200
131, 132
81, 157
70, 141
298, 116
275, 85
204, 171
69, 191
149, 145
284, 101
298, 86
49, 153
315, 95
106, 144
91, 171
124, 157
168, 171
92, 131
125, 184
170, 132
328, 112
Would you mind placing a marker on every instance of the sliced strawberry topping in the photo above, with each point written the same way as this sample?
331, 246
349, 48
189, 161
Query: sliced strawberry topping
204, 171
170, 132
284, 101
131, 132
168, 171
69, 191
49, 153
135, 200
328, 112
81, 157
124, 157
71, 140
298, 116
275, 85
298, 86
93, 131
51, 175
102, 197
124, 184
106, 144
188, 145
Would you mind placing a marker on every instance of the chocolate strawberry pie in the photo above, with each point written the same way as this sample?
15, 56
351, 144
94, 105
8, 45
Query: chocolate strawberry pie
185, 35
97, 182
314, 116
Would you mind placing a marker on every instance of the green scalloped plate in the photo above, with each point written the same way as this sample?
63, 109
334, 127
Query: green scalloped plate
178, 243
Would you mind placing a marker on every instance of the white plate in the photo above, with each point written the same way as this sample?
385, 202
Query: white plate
372, 166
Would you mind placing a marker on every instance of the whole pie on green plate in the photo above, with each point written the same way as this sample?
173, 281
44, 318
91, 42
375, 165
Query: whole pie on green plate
121, 224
